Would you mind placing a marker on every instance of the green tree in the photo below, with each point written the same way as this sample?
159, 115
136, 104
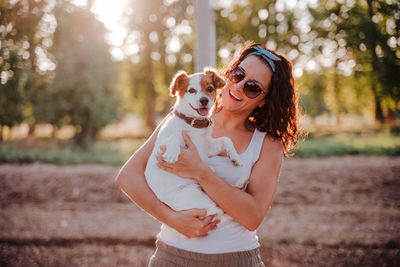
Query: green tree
82, 92
368, 30
154, 25
312, 98
265, 22
20, 76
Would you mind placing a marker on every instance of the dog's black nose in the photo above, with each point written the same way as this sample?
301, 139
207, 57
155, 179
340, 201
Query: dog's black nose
204, 101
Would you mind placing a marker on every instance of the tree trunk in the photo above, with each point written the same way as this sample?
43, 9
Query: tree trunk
150, 118
336, 89
1, 133
54, 132
391, 116
378, 107
150, 114
31, 130
82, 138
205, 53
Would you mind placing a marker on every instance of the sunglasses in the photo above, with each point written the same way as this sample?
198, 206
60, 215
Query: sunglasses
251, 89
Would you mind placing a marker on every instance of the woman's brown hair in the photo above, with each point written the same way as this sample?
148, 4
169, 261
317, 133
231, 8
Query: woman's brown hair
278, 116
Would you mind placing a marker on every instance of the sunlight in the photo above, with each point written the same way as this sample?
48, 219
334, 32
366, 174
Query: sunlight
110, 13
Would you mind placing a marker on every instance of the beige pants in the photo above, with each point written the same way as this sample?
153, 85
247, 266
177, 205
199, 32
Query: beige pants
169, 256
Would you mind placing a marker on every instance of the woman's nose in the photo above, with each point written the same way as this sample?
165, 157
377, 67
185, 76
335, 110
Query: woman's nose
239, 85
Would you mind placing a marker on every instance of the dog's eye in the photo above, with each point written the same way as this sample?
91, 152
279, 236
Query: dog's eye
192, 91
210, 89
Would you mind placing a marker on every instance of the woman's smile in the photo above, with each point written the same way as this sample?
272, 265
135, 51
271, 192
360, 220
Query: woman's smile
234, 97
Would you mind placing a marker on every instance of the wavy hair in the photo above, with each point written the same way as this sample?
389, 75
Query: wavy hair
278, 116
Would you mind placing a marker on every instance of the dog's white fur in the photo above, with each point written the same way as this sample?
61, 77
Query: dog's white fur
180, 193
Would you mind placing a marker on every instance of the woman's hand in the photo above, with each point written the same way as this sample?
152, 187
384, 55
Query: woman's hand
189, 164
192, 222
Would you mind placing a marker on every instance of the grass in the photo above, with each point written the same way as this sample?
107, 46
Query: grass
339, 145
116, 152
65, 153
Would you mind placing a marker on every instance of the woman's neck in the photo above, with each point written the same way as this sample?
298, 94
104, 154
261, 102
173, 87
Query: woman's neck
230, 121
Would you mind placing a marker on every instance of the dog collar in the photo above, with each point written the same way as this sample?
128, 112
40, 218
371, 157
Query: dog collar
196, 123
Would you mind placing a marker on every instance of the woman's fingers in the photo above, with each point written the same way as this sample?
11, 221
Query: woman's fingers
160, 152
199, 213
197, 223
208, 225
161, 163
212, 226
208, 219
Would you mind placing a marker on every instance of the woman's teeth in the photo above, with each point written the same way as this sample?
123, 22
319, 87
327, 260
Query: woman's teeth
235, 97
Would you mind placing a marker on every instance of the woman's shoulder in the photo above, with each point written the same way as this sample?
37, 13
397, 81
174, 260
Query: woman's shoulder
267, 142
267, 138
271, 145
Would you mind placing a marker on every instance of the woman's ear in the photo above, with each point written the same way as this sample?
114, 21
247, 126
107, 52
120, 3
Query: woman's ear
179, 82
218, 81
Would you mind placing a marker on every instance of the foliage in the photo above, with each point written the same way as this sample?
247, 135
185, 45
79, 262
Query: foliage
153, 28
258, 21
56, 67
19, 40
365, 32
312, 97
82, 92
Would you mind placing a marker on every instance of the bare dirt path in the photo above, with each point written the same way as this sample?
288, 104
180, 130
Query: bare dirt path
327, 212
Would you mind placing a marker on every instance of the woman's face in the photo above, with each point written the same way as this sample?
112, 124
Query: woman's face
255, 72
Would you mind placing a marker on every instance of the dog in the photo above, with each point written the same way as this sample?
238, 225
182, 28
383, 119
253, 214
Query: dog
196, 95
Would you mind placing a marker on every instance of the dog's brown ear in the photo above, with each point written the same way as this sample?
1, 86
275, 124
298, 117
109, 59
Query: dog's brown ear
218, 81
180, 81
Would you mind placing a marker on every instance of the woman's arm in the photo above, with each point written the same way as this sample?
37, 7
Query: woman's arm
247, 208
133, 183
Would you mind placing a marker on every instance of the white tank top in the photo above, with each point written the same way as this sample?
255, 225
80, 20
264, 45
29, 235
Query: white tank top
230, 236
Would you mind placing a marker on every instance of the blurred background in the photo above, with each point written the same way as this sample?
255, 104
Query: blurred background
80, 71
86, 81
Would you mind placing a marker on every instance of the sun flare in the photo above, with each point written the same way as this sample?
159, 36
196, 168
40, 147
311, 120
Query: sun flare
110, 13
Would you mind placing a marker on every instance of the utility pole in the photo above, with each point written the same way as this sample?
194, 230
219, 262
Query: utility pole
205, 49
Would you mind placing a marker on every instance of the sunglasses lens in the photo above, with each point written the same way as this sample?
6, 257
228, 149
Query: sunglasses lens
236, 75
251, 89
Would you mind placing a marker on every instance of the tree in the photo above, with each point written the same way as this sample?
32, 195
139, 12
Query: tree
19, 38
312, 98
366, 29
82, 92
160, 52
258, 21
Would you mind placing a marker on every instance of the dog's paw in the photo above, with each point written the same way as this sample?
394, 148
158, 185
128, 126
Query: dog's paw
171, 155
236, 160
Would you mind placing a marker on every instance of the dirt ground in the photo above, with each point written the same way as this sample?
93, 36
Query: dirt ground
327, 212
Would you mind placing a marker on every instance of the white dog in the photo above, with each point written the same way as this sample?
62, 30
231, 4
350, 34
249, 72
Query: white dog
195, 101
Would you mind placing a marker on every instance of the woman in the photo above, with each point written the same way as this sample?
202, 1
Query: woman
257, 110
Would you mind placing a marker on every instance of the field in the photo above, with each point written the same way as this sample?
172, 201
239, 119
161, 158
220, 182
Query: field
115, 151
334, 211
